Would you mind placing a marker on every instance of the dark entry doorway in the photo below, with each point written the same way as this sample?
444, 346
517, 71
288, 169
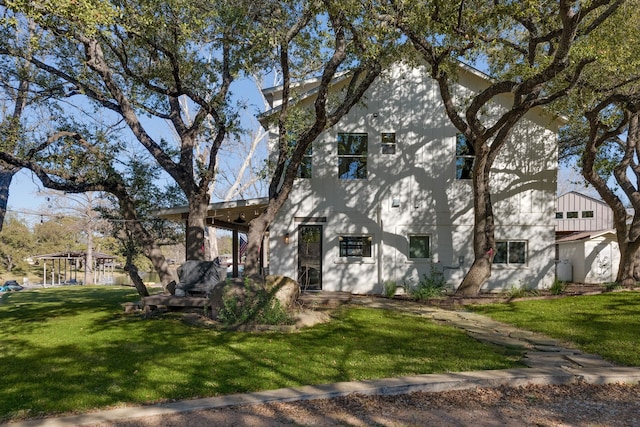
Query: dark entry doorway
310, 257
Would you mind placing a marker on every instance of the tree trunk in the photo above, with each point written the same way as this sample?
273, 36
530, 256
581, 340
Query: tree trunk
6, 176
195, 229
138, 232
136, 279
483, 230
88, 267
257, 229
211, 244
626, 267
628, 235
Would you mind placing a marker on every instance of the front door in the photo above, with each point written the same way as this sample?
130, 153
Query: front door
310, 257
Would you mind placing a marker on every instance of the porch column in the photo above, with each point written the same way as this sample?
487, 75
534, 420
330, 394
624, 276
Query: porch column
235, 250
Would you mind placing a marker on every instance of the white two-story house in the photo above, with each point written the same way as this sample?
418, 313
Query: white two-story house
386, 195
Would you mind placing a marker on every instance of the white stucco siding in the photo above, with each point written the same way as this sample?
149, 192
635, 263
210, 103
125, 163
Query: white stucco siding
415, 190
538, 272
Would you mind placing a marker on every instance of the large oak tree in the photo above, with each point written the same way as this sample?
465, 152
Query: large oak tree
321, 40
533, 52
142, 63
604, 129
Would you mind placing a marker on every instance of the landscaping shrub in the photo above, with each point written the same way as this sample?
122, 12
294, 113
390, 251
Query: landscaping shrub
557, 287
256, 305
431, 286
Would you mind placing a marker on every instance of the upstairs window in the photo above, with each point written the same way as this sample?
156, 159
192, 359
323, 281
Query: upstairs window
388, 143
355, 246
587, 214
511, 252
304, 171
558, 215
572, 214
465, 155
352, 155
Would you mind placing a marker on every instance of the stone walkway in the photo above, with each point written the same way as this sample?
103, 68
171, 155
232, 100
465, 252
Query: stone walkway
540, 351
548, 361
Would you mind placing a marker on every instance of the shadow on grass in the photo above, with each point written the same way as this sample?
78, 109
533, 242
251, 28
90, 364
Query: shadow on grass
74, 350
605, 324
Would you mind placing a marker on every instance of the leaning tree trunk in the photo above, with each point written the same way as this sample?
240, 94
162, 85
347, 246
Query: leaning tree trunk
257, 230
259, 225
483, 231
136, 279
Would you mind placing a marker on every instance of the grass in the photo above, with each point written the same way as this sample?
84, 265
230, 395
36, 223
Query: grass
606, 324
73, 349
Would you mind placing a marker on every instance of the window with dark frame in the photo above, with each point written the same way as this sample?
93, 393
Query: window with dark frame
305, 169
572, 214
419, 246
388, 143
511, 252
558, 215
355, 246
587, 214
352, 155
465, 155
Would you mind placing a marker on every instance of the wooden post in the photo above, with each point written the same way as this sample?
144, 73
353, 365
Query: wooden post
235, 251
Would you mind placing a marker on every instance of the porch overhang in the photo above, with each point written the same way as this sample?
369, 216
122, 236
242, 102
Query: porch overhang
232, 215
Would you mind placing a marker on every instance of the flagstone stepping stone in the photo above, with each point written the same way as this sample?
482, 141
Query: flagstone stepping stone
501, 341
589, 360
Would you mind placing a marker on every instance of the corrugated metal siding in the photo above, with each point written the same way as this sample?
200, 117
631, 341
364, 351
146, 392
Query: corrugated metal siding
579, 203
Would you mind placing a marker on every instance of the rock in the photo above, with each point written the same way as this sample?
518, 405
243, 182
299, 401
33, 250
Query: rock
284, 289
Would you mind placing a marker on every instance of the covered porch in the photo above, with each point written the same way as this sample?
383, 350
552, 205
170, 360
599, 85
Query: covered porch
232, 216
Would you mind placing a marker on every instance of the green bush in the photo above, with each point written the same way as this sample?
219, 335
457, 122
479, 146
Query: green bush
520, 292
558, 287
256, 306
431, 286
390, 287
612, 286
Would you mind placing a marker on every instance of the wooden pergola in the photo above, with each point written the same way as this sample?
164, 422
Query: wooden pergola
63, 267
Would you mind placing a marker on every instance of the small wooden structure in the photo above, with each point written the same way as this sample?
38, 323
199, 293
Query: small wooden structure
62, 268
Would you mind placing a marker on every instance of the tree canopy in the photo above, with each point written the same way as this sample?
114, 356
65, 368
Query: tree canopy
534, 52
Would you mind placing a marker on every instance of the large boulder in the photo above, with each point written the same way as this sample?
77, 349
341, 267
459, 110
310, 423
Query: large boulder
283, 289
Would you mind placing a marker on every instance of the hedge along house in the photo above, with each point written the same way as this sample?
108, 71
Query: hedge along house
386, 194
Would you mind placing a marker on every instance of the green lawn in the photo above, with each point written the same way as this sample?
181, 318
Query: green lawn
73, 349
606, 324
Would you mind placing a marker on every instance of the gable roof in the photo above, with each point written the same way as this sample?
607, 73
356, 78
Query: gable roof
309, 88
586, 235
577, 193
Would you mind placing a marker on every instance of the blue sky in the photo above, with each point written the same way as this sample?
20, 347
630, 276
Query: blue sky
27, 201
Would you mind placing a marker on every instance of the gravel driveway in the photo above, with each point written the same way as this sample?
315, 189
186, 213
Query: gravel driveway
564, 405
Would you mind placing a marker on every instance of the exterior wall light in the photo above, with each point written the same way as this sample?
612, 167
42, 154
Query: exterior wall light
286, 239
